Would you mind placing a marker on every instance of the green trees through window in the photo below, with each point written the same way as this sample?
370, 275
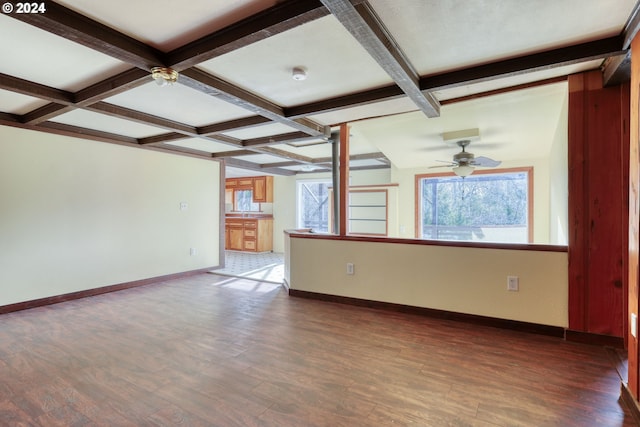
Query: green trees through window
492, 207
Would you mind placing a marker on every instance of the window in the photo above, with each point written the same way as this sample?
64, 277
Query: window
244, 201
313, 205
486, 206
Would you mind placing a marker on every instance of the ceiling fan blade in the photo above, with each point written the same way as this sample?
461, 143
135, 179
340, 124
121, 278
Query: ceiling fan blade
450, 165
485, 162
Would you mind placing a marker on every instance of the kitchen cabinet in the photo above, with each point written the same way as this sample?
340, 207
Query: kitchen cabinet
249, 234
263, 189
234, 231
261, 186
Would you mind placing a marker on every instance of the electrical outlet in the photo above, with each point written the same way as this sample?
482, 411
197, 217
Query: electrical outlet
184, 206
350, 268
512, 284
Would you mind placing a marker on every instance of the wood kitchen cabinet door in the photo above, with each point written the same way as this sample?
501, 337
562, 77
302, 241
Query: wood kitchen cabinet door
263, 189
236, 238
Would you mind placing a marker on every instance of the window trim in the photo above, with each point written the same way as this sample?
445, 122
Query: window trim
300, 182
530, 205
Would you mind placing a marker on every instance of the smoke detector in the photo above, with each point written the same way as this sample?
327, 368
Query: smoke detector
299, 73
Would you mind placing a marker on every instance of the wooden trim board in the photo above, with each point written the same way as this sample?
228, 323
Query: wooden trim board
40, 302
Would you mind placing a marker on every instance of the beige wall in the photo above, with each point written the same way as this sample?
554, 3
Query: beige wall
78, 214
559, 181
463, 280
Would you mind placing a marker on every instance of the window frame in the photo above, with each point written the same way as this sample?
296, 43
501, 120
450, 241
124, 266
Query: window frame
530, 200
237, 208
299, 183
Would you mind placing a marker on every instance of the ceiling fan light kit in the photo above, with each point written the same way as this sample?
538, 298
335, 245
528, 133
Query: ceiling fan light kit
464, 162
463, 170
164, 76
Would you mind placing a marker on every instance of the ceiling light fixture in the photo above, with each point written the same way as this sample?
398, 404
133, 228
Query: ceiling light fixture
308, 168
299, 73
164, 75
463, 170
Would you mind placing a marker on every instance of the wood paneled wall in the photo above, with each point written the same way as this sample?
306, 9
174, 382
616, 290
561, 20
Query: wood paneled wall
598, 205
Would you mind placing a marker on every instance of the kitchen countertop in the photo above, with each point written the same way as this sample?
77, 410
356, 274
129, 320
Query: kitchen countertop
239, 215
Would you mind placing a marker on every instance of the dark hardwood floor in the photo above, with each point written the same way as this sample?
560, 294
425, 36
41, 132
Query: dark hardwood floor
217, 351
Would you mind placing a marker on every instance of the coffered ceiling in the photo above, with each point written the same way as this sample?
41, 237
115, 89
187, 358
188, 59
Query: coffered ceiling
401, 73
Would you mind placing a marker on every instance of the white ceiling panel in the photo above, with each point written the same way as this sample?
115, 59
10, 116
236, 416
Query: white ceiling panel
308, 168
16, 103
165, 24
254, 65
442, 35
179, 103
313, 151
36, 55
261, 131
336, 64
202, 145
262, 158
104, 123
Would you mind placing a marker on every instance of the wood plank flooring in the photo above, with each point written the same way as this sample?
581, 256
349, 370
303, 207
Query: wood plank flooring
216, 351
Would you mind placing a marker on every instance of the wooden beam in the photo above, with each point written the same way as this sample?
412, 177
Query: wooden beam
214, 86
234, 153
11, 120
159, 139
364, 156
137, 116
576, 54
184, 150
363, 23
80, 29
243, 164
275, 20
80, 132
111, 86
368, 97
522, 86
492, 71
616, 70
46, 112
284, 154
278, 139
36, 90
631, 27
148, 119
282, 164
232, 125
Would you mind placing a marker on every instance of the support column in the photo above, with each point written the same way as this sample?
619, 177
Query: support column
634, 216
598, 209
344, 179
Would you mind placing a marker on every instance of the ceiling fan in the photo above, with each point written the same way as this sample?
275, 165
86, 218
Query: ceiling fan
464, 163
